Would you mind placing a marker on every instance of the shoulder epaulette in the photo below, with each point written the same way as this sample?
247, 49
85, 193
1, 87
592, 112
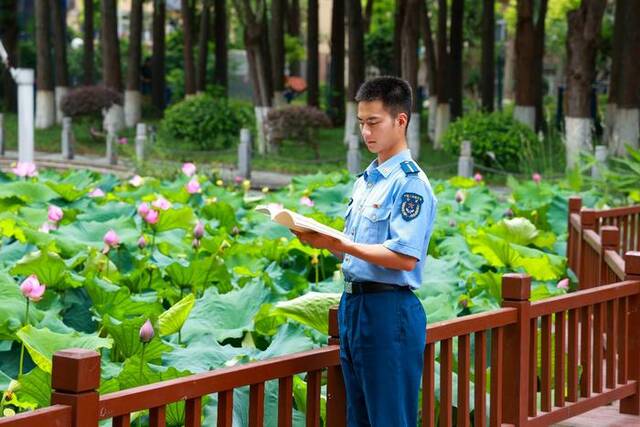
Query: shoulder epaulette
362, 174
409, 167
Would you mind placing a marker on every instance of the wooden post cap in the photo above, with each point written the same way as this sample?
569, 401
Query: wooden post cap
516, 286
632, 263
588, 218
75, 370
575, 204
610, 236
334, 330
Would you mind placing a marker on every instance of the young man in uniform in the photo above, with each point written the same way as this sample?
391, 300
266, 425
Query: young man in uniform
390, 218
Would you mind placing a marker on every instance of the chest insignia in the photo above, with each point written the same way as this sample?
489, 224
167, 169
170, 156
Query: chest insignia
410, 207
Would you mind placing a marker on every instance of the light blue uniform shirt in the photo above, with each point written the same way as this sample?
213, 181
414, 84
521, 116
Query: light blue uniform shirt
395, 208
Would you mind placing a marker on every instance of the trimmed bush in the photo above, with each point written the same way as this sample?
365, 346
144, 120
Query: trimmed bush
210, 124
298, 123
89, 100
496, 133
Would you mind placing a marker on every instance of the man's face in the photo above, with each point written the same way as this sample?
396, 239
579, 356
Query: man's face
380, 130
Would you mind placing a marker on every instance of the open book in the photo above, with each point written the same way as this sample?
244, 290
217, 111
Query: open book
297, 222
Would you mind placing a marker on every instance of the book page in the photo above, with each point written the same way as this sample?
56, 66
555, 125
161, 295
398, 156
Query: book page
298, 222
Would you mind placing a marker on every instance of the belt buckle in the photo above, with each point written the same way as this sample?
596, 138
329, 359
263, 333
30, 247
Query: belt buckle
348, 287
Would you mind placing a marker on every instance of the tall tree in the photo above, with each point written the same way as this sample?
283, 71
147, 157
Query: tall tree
356, 64
9, 36
277, 50
627, 114
410, 40
455, 55
431, 66
158, 80
88, 44
525, 59
539, 64
312, 53
187, 47
336, 71
614, 74
487, 73
398, 19
111, 69
582, 37
368, 13
203, 47
293, 29
58, 21
45, 101
132, 97
442, 81
220, 35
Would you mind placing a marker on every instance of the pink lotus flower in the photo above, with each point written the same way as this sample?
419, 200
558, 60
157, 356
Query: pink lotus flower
142, 242
122, 141
198, 230
25, 169
55, 213
536, 177
143, 209
563, 284
193, 186
238, 179
96, 192
188, 169
478, 177
111, 240
146, 332
305, 201
161, 203
136, 181
32, 289
152, 216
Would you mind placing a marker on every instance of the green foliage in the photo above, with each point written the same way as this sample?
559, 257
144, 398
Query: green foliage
298, 123
492, 135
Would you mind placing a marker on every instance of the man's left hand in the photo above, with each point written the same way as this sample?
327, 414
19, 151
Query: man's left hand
319, 241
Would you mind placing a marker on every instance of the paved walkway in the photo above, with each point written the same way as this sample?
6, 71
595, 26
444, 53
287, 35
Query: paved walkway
604, 416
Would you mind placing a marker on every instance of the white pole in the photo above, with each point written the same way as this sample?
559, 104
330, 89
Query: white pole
24, 78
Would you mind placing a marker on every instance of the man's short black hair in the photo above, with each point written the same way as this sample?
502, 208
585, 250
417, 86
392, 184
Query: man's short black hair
394, 92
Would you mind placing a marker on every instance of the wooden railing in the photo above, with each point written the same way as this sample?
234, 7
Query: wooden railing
598, 240
588, 341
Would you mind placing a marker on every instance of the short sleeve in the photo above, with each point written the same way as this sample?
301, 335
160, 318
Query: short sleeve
411, 219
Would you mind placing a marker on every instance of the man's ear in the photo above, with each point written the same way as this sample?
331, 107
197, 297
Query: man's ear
402, 119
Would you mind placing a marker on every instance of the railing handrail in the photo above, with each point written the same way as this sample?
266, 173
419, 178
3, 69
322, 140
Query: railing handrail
198, 385
466, 325
51, 416
615, 262
613, 212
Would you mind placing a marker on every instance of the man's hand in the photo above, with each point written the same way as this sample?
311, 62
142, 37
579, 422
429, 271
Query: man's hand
319, 241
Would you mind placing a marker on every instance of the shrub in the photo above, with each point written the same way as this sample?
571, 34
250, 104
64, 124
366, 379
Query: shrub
297, 123
496, 133
89, 100
209, 123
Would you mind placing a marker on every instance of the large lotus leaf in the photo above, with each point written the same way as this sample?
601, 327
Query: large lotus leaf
331, 200
310, 309
557, 214
222, 212
175, 218
189, 275
35, 387
172, 242
439, 307
50, 269
117, 301
286, 281
9, 228
522, 232
479, 201
439, 276
203, 355
5, 380
12, 252
290, 338
172, 320
108, 211
67, 191
126, 336
29, 192
43, 343
225, 315
91, 233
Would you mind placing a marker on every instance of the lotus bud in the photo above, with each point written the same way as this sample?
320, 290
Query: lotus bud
146, 332
536, 177
142, 242
188, 169
563, 284
152, 216
32, 289
459, 196
198, 230
55, 214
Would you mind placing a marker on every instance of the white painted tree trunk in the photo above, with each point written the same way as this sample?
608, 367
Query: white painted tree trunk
625, 130
45, 109
278, 99
433, 108
413, 135
443, 116
132, 107
609, 123
114, 117
262, 140
351, 121
525, 114
578, 138
60, 92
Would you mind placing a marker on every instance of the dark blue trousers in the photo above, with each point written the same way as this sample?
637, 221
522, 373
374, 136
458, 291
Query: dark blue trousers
382, 340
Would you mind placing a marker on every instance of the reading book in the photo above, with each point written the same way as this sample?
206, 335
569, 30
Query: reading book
297, 222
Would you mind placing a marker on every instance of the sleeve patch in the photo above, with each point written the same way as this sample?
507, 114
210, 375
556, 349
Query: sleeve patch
410, 207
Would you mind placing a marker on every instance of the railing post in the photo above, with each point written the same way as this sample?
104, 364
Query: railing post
75, 379
631, 404
610, 238
587, 222
573, 244
516, 290
336, 395
465, 161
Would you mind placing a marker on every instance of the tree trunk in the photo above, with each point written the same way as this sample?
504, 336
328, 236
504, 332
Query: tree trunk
312, 54
9, 22
442, 81
487, 73
111, 70
356, 64
368, 12
539, 65
220, 71
277, 50
401, 5
582, 37
88, 44
431, 65
203, 47
293, 29
158, 81
410, 41
45, 102
187, 47
525, 60
614, 75
132, 98
336, 71
58, 20
508, 91
457, 27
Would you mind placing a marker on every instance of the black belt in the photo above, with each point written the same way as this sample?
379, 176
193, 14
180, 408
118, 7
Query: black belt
368, 287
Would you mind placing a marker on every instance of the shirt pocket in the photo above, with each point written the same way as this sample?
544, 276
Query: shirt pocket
347, 216
376, 223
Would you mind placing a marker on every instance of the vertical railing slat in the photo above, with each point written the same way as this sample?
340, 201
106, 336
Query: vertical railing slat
464, 362
480, 383
121, 421
446, 385
533, 368
573, 356
428, 387
612, 342
623, 343
285, 401
560, 343
313, 398
225, 408
598, 345
495, 411
545, 368
586, 328
157, 416
256, 405
193, 412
